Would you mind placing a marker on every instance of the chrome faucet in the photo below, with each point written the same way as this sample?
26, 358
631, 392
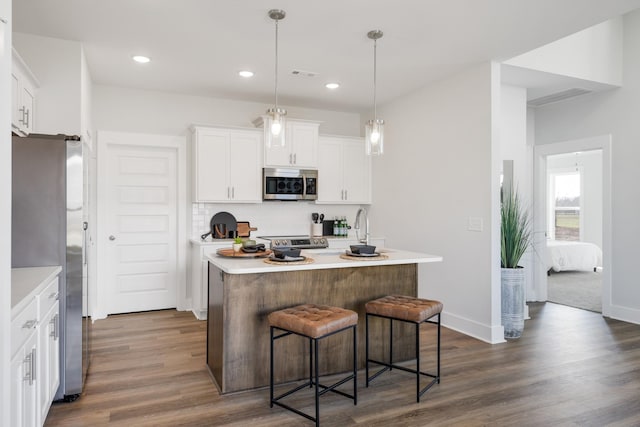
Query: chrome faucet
362, 211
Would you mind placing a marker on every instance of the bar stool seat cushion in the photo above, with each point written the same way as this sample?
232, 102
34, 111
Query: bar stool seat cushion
313, 320
404, 308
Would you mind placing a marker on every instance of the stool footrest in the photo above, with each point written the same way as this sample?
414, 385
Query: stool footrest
390, 366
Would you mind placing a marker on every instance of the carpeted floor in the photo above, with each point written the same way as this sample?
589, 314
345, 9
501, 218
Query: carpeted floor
581, 289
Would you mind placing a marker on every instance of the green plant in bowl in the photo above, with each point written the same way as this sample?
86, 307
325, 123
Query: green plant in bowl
237, 240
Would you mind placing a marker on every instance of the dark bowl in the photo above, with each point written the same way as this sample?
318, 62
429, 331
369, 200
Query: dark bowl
362, 249
253, 248
286, 252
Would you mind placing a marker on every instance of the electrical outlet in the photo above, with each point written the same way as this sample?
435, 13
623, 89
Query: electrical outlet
475, 224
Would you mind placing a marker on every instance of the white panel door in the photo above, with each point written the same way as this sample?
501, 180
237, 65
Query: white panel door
141, 221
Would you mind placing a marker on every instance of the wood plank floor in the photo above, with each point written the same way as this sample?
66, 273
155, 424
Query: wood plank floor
571, 367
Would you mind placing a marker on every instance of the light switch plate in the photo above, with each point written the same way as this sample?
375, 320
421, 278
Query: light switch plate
475, 223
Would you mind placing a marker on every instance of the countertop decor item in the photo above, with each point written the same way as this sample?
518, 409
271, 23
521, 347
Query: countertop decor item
229, 252
515, 239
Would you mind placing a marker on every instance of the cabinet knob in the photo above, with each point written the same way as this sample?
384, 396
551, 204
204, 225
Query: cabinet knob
112, 237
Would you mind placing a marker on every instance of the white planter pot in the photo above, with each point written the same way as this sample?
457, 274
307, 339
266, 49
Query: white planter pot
513, 302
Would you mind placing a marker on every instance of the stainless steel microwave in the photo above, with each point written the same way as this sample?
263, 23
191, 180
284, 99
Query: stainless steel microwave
289, 184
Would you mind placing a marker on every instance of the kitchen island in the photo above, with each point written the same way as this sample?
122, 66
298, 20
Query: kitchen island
242, 293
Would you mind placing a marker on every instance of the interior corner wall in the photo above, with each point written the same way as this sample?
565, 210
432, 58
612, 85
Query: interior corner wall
5, 212
56, 64
436, 174
614, 112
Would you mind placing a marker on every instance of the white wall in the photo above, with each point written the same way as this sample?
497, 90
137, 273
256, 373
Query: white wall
57, 64
616, 113
437, 172
594, 54
132, 110
590, 165
5, 210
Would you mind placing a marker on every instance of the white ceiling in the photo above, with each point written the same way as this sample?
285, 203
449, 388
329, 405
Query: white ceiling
198, 46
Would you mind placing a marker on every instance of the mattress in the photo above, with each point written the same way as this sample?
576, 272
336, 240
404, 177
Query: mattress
571, 256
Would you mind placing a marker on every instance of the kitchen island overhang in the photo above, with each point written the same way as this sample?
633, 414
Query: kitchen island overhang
242, 293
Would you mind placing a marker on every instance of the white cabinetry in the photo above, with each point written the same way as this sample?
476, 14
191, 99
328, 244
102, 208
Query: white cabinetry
200, 275
35, 345
227, 165
24, 367
301, 146
344, 171
48, 346
23, 96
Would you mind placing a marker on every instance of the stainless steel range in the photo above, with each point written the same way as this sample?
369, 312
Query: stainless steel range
302, 242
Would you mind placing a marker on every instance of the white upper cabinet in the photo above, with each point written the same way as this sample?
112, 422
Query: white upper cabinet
227, 165
23, 96
344, 171
301, 146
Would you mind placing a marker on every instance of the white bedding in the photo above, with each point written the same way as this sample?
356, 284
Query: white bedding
565, 256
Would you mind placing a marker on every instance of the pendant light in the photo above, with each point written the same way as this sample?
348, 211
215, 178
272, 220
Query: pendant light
374, 129
275, 122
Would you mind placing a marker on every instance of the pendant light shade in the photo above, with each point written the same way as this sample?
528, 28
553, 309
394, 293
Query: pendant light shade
374, 129
275, 120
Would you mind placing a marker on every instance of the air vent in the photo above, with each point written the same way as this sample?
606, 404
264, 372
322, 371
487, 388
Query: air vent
557, 97
302, 73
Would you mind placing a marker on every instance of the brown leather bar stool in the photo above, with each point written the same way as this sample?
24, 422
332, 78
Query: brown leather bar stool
313, 322
410, 310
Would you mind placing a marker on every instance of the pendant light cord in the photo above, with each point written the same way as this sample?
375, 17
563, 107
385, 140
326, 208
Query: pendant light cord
375, 50
276, 72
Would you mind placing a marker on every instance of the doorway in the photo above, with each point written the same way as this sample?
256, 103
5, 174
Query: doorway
574, 229
572, 211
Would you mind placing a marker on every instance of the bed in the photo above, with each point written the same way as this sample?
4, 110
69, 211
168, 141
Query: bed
571, 256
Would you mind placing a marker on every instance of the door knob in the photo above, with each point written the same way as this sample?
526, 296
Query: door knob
112, 237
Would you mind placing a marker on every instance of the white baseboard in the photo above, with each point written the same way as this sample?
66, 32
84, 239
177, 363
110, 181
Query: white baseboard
625, 314
486, 333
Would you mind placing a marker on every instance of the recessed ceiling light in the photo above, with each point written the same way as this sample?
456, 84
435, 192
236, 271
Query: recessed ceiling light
141, 59
245, 73
332, 85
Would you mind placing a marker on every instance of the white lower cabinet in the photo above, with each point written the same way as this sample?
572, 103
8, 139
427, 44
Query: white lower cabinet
35, 362
24, 371
344, 171
49, 359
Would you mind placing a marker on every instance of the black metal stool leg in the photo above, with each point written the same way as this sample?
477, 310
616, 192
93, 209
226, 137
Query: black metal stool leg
310, 364
366, 350
271, 371
418, 362
315, 348
355, 365
438, 368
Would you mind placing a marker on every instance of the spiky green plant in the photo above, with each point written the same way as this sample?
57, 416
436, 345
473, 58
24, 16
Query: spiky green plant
514, 230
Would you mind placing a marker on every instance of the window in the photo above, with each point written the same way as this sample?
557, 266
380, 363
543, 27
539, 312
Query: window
565, 204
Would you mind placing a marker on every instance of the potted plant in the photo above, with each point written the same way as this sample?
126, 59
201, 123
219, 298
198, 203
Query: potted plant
237, 244
515, 239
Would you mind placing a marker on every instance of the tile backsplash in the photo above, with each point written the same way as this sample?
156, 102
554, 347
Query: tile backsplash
271, 218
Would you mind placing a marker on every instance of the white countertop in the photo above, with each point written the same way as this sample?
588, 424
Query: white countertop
323, 259
28, 281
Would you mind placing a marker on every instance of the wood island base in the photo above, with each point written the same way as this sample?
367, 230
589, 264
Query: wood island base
238, 331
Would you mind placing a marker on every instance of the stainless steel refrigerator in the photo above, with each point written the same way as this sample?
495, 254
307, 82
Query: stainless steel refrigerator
49, 228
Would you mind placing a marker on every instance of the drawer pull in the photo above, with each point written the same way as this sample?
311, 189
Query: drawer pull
29, 324
55, 295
